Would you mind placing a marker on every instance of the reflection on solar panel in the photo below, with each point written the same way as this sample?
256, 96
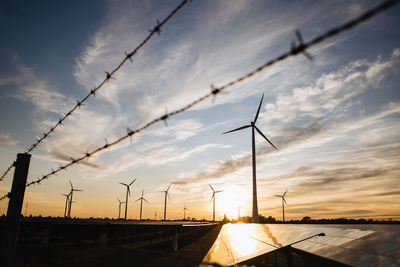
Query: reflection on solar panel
358, 245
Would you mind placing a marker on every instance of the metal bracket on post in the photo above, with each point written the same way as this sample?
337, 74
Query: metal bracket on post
15, 204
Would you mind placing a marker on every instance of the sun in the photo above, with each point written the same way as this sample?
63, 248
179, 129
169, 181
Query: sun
228, 202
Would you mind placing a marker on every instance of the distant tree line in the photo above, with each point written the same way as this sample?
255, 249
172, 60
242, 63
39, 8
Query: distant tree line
309, 220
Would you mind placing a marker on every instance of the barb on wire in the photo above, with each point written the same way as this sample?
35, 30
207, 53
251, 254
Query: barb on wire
217, 90
109, 75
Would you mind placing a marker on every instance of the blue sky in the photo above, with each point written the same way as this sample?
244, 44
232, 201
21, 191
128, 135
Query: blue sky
335, 119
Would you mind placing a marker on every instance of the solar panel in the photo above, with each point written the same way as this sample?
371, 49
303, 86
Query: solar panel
357, 245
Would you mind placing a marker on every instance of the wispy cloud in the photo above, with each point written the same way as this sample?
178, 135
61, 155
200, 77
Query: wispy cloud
7, 139
36, 90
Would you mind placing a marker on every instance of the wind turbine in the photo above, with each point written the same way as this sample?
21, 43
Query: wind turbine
141, 203
66, 203
165, 202
283, 204
119, 208
70, 198
184, 213
213, 199
128, 192
255, 218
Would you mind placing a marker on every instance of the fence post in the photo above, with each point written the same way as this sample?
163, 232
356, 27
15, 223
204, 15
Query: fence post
16, 199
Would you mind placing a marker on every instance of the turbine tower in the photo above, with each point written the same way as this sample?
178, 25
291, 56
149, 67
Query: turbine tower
283, 204
128, 192
165, 202
119, 208
141, 203
213, 199
255, 218
184, 213
71, 193
66, 203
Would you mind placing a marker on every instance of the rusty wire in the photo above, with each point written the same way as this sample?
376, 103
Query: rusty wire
109, 75
295, 50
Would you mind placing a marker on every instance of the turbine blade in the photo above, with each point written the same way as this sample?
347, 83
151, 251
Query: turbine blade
168, 197
129, 190
138, 199
258, 110
285, 192
123, 184
145, 200
277, 195
211, 188
237, 129
132, 182
258, 130
284, 200
119, 201
213, 195
219, 191
168, 187
71, 184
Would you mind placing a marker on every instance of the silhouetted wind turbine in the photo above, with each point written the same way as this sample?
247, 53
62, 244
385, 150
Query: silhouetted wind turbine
255, 218
165, 202
184, 213
66, 203
128, 192
213, 199
283, 204
119, 208
141, 203
70, 198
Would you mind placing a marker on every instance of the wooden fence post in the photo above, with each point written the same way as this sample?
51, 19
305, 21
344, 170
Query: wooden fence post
16, 199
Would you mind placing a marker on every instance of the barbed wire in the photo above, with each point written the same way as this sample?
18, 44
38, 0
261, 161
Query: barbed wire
294, 51
7, 171
4, 197
109, 75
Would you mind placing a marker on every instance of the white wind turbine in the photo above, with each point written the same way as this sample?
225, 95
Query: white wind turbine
283, 204
255, 217
128, 193
165, 202
70, 198
119, 207
213, 199
141, 203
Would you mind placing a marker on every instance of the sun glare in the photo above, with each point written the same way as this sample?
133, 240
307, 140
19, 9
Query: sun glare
229, 201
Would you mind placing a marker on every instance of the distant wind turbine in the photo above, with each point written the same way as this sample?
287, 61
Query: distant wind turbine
128, 192
165, 202
283, 204
119, 208
255, 217
70, 198
66, 203
184, 213
213, 199
141, 203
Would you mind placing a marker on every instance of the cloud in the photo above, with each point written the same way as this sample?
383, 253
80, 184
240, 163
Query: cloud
38, 91
330, 93
6, 139
289, 137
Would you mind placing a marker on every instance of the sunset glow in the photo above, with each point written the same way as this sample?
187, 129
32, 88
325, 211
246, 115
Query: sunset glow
335, 120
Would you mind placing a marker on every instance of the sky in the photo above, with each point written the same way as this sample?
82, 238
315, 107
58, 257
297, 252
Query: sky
335, 119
